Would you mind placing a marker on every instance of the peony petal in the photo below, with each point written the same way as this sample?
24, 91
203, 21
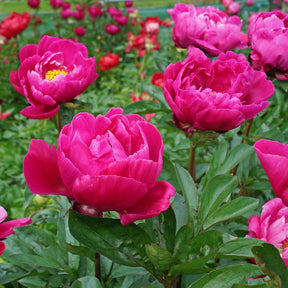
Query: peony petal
274, 159
3, 214
153, 203
46, 112
41, 170
2, 247
6, 228
108, 193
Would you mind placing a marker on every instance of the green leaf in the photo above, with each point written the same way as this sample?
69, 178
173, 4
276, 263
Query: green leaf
156, 93
226, 277
237, 154
80, 250
169, 228
238, 248
162, 259
269, 260
9, 273
233, 209
87, 281
143, 107
251, 286
32, 282
215, 192
122, 244
189, 190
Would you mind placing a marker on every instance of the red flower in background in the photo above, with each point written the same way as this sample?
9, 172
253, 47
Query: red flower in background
128, 4
112, 29
158, 79
56, 3
34, 4
14, 24
151, 25
79, 14
80, 31
108, 61
121, 19
95, 11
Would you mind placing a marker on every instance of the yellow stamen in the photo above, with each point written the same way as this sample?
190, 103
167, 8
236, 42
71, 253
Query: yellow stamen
51, 74
285, 244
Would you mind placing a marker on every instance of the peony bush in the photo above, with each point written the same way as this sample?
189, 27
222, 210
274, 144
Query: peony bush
152, 151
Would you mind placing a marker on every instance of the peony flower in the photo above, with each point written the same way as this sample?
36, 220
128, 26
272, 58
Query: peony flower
121, 19
113, 11
273, 157
112, 29
110, 163
158, 79
95, 11
108, 61
80, 31
264, 29
57, 70
14, 24
4, 115
234, 8
34, 4
6, 228
79, 14
249, 2
217, 96
66, 5
272, 226
56, 3
151, 25
207, 28
128, 4
66, 13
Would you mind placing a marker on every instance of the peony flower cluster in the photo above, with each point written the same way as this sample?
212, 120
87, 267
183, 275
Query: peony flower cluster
217, 96
55, 71
107, 163
207, 28
272, 226
266, 28
6, 228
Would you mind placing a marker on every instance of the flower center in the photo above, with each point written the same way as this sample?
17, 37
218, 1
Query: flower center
51, 74
284, 244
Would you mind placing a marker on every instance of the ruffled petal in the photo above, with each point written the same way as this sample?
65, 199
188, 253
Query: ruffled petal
46, 112
41, 170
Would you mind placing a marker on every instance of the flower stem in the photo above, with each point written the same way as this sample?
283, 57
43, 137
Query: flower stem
192, 164
97, 266
58, 121
247, 130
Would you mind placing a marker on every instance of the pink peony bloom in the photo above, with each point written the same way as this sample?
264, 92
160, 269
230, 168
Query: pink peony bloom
66, 13
274, 158
57, 70
110, 163
95, 11
267, 28
66, 5
234, 8
249, 2
34, 4
112, 29
56, 3
121, 19
6, 228
79, 14
4, 115
272, 226
128, 4
80, 31
207, 28
217, 96
113, 11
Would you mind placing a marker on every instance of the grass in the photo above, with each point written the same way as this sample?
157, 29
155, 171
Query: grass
21, 5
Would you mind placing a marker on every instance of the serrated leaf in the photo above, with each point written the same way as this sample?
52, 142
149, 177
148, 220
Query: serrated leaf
233, 209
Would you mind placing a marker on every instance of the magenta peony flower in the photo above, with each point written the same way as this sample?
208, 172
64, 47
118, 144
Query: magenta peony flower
6, 228
272, 226
274, 158
34, 4
80, 31
217, 96
56, 3
66, 13
128, 4
79, 14
267, 28
207, 28
95, 11
55, 71
234, 8
112, 29
110, 163
121, 19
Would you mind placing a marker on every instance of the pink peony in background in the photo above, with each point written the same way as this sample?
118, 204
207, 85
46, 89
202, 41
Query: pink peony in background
272, 226
266, 28
207, 28
273, 157
110, 163
6, 228
218, 95
57, 70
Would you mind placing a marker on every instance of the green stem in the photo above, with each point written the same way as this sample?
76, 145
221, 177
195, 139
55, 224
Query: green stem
58, 121
247, 129
97, 266
192, 164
